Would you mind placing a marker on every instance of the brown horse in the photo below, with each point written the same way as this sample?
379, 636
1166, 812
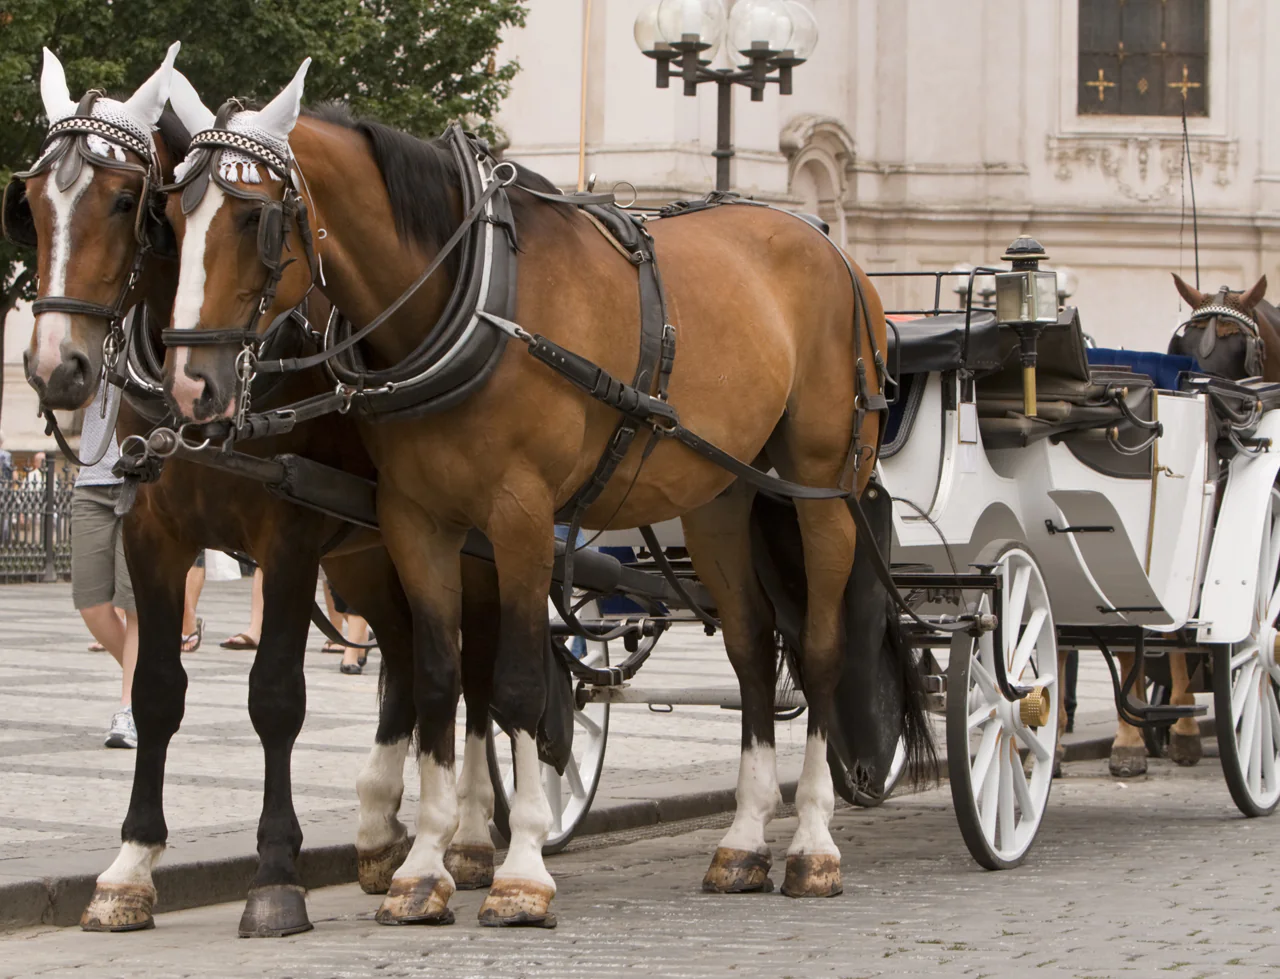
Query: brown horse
86, 247
771, 336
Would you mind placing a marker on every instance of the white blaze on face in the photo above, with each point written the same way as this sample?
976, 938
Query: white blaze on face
53, 329
188, 302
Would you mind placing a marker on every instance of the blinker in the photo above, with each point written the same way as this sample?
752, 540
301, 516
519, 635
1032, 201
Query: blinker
15, 216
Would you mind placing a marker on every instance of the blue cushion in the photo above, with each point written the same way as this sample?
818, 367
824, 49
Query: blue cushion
1163, 369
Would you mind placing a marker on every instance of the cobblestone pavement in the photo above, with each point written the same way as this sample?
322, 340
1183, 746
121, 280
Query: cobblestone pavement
1151, 877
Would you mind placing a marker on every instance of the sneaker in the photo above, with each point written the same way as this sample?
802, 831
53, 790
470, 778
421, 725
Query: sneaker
123, 733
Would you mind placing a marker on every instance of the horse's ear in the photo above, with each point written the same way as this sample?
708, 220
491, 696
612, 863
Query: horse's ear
1255, 295
186, 103
280, 115
58, 103
148, 101
1194, 297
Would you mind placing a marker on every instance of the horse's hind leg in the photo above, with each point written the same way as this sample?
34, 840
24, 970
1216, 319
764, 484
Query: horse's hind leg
1184, 736
470, 856
1128, 750
277, 706
368, 582
125, 892
717, 536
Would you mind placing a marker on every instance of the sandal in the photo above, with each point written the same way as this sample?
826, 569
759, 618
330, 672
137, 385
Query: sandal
332, 647
192, 642
351, 669
239, 641
97, 647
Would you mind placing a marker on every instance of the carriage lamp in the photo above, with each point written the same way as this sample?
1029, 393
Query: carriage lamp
1027, 301
766, 40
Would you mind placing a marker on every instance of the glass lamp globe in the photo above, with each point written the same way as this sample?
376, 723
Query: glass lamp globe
705, 18
766, 22
804, 30
646, 29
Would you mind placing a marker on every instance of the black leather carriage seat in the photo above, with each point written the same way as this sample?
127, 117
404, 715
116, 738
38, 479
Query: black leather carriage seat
937, 343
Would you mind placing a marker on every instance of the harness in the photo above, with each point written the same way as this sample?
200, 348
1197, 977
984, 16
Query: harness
1206, 318
65, 150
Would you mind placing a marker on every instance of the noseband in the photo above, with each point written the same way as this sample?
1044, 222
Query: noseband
1206, 318
65, 150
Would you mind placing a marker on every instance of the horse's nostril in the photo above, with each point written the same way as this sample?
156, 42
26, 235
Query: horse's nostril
78, 367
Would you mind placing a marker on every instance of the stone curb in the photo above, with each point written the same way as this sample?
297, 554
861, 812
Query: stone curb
59, 901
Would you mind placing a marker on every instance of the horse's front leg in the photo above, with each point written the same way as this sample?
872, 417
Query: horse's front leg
125, 892
1184, 736
1128, 750
277, 706
426, 555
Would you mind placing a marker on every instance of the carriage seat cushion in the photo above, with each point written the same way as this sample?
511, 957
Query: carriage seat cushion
1163, 369
936, 343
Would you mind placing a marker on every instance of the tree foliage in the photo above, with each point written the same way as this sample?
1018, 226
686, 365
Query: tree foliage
414, 64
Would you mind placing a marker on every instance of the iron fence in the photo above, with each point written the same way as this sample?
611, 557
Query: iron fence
35, 524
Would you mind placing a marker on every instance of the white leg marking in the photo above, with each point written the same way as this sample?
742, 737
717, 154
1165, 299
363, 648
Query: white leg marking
53, 329
815, 802
437, 822
757, 799
133, 865
530, 818
475, 796
380, 787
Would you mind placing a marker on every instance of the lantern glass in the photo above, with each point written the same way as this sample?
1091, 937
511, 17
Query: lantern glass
760, 21
804, 30
1012, 291
679, 18
1046, 294
646, 28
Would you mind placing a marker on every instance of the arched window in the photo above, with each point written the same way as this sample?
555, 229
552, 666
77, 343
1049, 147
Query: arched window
1143, 57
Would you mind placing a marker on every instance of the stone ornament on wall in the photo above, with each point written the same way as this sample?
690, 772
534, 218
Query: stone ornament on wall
1145, 169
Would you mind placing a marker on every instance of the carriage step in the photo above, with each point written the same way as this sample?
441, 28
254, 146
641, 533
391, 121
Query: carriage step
1168, 712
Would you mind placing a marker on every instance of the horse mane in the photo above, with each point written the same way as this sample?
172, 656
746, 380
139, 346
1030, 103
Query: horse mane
420, 174
173, 134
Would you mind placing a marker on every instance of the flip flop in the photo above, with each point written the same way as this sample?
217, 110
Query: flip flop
96, 647
332, 647
192, 642
238, 641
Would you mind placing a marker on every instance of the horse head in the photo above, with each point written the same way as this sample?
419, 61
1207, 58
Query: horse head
90, 195
236, 188
1227, 332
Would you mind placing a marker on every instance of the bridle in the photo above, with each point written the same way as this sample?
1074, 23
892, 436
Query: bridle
1206, 318
64, 151
206, 155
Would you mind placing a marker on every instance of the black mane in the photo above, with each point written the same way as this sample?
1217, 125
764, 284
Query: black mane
419, 174
174, 135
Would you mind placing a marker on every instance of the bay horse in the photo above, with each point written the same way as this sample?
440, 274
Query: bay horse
1233, 335
778, 335
86, 248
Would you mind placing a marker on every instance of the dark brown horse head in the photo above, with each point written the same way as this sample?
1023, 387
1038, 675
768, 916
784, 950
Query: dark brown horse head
1229, 333
227, 216
85, 207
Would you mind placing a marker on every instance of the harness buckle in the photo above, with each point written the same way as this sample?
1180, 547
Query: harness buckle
189, 445
346, 392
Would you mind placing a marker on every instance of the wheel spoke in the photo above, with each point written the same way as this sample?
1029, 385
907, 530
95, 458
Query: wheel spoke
991, 790
551, 784
1027, 644
1240, 692
1033, 743
1008, 761
1248, 728
980, 716
1241, 655
1016, 601
574, 777
982, 759
586, 723
1267, 737
1023, 793
985, 682
1273, 607
1273, 709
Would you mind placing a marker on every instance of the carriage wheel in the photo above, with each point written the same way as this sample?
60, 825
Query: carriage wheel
570, 794
1000, 754
1245, 678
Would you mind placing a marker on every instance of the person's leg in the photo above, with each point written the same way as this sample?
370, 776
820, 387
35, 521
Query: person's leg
106, 628
94, 533
255, 610
130, 659
357, 631
195, 585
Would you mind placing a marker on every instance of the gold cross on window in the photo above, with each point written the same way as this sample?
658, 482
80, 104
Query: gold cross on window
1184, 84
1102, 84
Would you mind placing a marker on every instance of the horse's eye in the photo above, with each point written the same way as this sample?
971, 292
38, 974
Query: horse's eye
125, 204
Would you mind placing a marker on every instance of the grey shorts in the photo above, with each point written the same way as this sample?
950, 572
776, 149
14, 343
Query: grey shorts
99, 574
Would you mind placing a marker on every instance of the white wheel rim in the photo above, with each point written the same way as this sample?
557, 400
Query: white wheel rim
570, 794
1255, 716
1009, 800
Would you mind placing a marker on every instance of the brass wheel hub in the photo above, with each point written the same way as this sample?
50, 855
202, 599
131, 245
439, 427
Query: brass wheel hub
1033, 709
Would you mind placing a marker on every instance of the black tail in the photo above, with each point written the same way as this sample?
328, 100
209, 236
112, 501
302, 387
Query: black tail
880, 697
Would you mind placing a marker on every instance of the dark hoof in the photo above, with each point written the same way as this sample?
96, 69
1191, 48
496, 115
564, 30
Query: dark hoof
470, 865
1185, 749
1059, 756
738, 872
275, 911
514, 903
351, 669
416, 901
119, 907
375, 869
1128, 761
812, 875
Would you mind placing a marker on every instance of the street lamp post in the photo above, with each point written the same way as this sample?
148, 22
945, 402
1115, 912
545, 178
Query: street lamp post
767, 39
